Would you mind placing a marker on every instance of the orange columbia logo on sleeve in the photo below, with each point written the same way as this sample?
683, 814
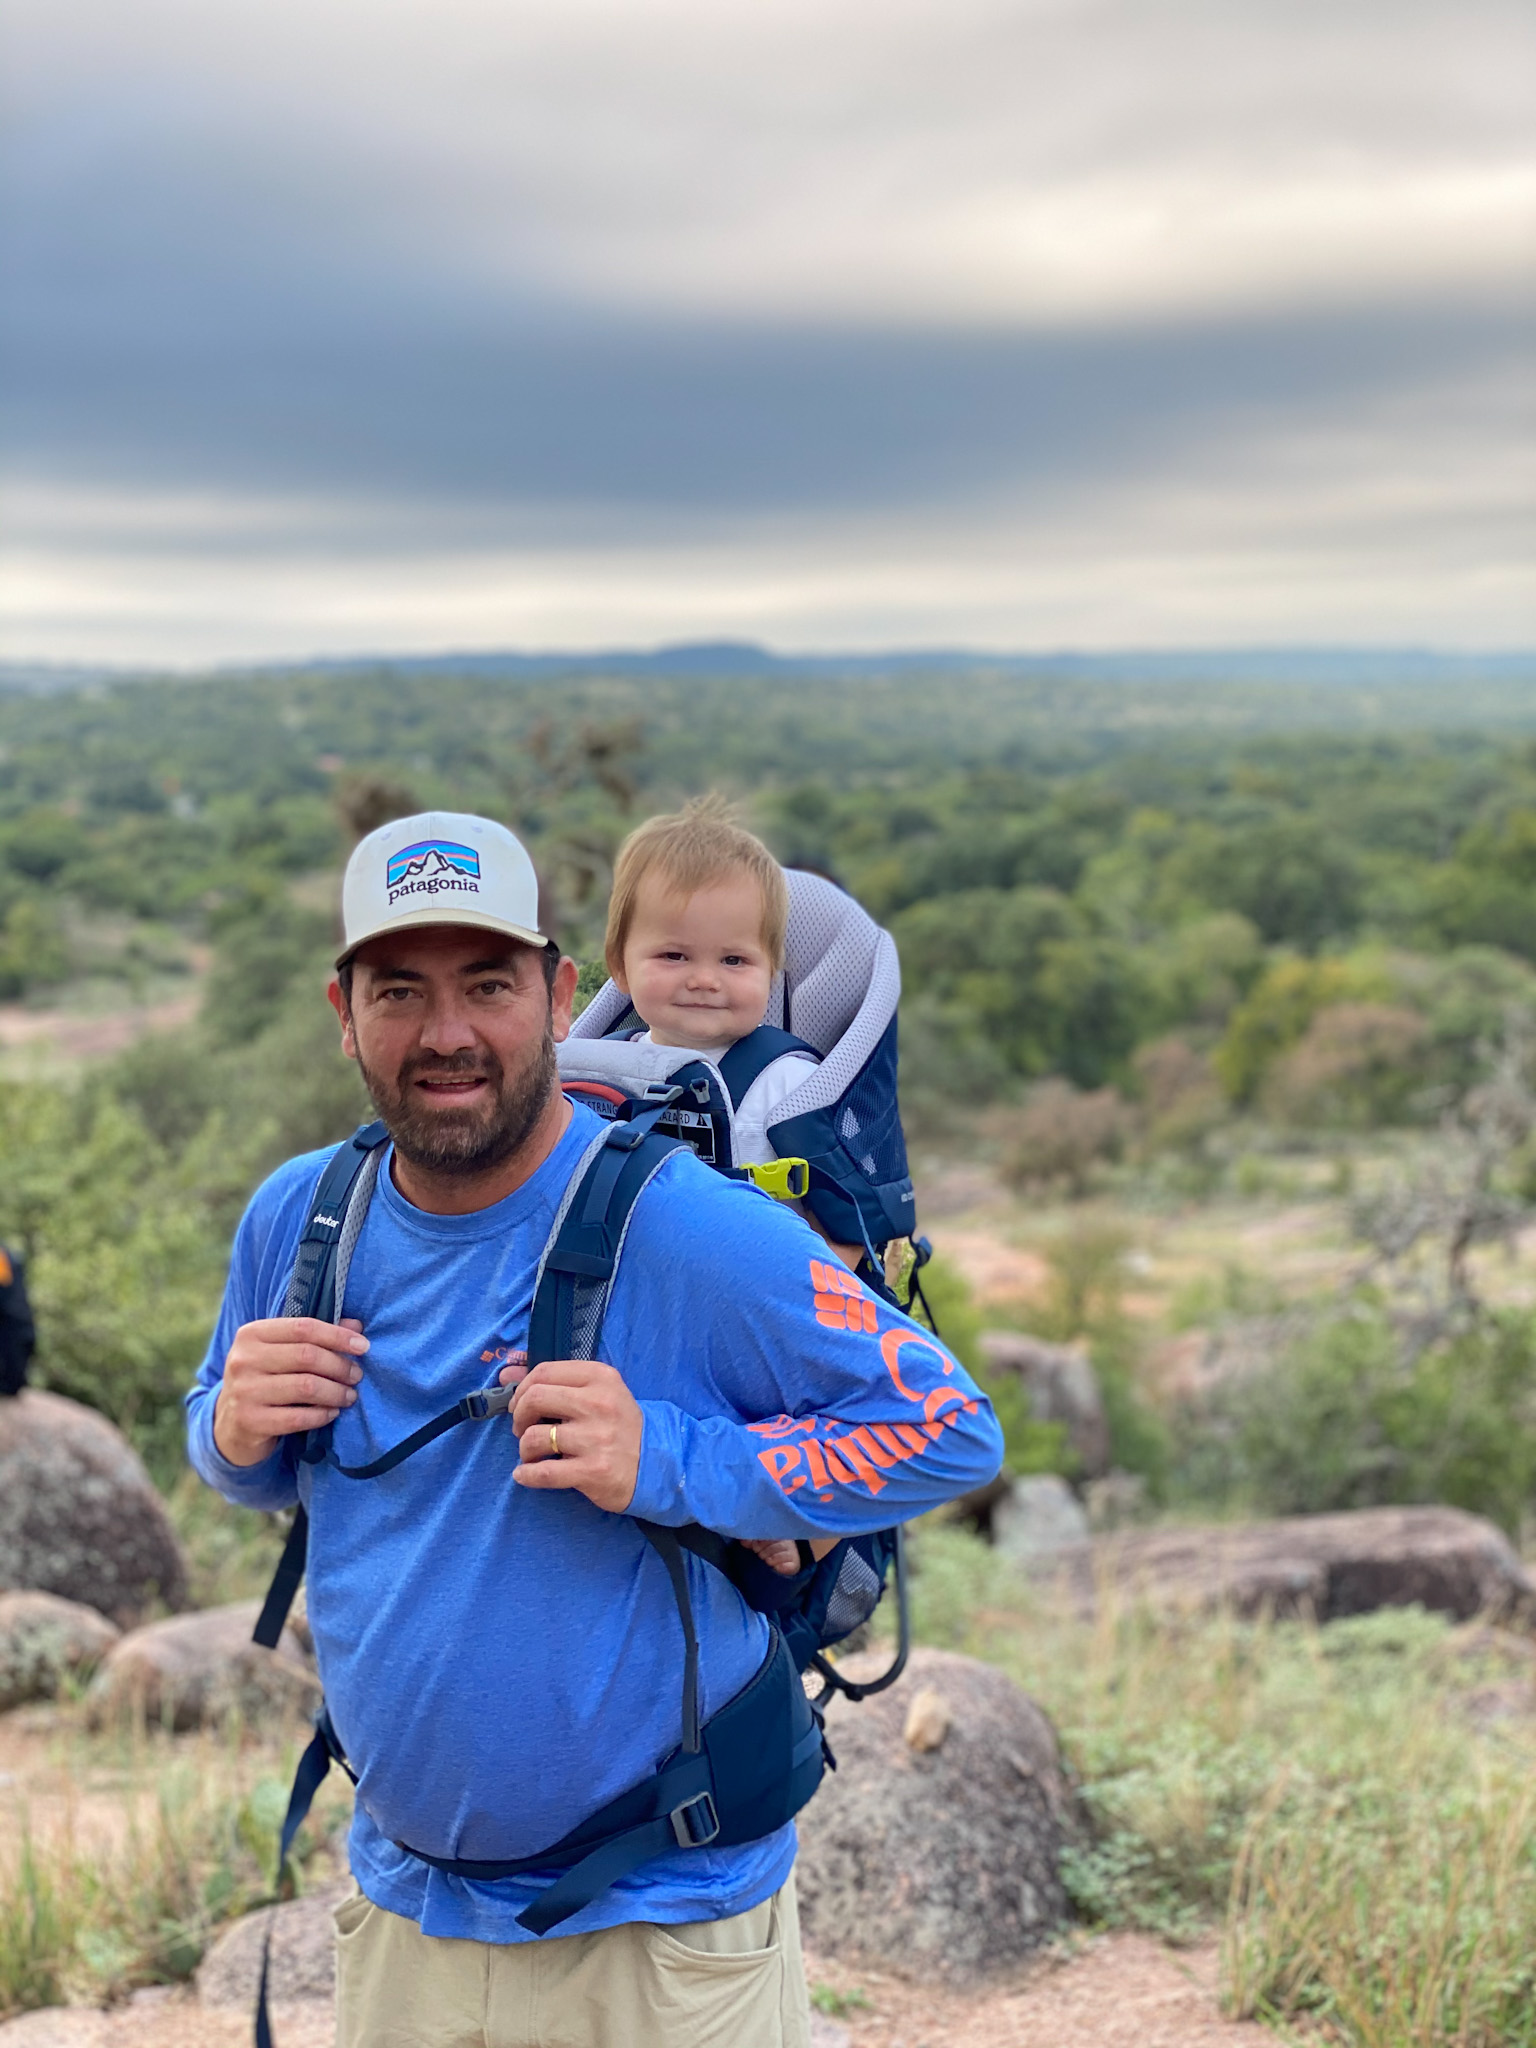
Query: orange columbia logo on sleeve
841, 1303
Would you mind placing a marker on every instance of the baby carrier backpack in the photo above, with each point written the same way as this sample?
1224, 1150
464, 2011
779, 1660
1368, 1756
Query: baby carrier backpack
749, 1768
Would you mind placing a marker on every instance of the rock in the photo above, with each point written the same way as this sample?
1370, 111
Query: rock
943, 1862
1323, 1566
928, 1720
1116, 1501
79, 1515
826, 2033
198, 1668
1039, 1516
303, 1953
44, 1640
1062, 1387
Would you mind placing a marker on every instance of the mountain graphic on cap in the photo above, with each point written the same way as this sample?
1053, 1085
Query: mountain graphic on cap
432, 857
432, 862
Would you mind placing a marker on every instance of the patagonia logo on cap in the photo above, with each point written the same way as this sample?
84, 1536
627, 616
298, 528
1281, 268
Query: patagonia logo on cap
430, 866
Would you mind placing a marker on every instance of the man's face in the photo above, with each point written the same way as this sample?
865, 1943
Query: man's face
454, 1031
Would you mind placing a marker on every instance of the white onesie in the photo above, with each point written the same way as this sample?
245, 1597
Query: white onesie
780, 1078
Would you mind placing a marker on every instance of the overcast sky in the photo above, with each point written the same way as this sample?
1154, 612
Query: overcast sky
355, 325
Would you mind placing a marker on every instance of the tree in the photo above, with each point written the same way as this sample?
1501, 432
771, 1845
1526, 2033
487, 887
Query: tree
1289, 877
33, 947
123, 1268
1277, 1012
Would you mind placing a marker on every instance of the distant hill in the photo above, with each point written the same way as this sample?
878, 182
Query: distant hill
1381, 666
721, 660
49, 678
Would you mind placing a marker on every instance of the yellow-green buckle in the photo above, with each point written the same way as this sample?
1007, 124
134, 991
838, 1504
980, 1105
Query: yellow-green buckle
787, 1180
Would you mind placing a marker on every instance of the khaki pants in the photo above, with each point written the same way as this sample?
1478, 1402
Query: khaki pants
736, 1983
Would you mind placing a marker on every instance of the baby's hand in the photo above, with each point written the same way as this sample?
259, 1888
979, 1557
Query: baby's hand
780, 1553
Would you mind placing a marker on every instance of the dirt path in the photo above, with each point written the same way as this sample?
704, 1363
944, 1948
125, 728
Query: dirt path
1118, 1991
72, 1036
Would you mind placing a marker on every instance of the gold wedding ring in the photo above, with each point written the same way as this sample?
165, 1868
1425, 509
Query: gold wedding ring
554, 1439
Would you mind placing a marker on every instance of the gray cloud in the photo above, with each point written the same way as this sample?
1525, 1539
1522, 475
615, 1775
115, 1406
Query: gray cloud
1075, 318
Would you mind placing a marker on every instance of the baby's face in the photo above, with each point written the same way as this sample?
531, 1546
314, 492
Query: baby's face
695, 967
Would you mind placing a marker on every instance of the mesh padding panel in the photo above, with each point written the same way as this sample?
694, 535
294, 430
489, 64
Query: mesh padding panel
587, 1306
869, 1122
301, 1278
854, 1598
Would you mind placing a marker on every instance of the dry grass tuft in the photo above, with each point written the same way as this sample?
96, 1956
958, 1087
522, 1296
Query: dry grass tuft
122, 1856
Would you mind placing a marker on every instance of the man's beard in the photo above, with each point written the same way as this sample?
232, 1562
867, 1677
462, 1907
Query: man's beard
469, 1141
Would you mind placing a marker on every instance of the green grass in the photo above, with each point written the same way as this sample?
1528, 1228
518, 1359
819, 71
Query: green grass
838, 2004
1323, 1797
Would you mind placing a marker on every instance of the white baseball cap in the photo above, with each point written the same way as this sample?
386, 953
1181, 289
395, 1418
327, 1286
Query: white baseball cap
440, 867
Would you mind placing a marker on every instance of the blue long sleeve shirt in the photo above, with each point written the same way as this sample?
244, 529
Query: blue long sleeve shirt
500, 1662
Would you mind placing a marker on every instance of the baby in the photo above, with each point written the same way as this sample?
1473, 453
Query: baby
695, 937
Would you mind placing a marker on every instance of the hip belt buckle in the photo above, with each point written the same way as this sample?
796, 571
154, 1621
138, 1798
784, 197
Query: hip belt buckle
695, 1823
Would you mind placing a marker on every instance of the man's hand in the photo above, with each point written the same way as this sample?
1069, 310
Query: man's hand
598, 1426
281, 1376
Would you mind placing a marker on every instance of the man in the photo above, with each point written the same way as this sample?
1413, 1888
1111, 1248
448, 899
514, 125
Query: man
498, 1643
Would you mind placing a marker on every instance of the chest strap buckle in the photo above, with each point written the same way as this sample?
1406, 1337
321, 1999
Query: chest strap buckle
486, 1401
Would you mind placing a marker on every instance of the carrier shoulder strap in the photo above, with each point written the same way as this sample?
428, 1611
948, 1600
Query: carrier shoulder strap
754, 1054
576, 1274
312, 1286
336, 1213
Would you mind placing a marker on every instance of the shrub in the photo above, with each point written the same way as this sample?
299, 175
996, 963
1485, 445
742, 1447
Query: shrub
590, 977
124, 1269
1349, 1417
1357, 1065
1181, 1100
1466, 998
955, 1578
1064, 1133
266, 945
1019, 965
1276, 1014
1082, 1302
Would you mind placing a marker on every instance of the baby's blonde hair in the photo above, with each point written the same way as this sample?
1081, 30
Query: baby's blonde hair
688, 850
